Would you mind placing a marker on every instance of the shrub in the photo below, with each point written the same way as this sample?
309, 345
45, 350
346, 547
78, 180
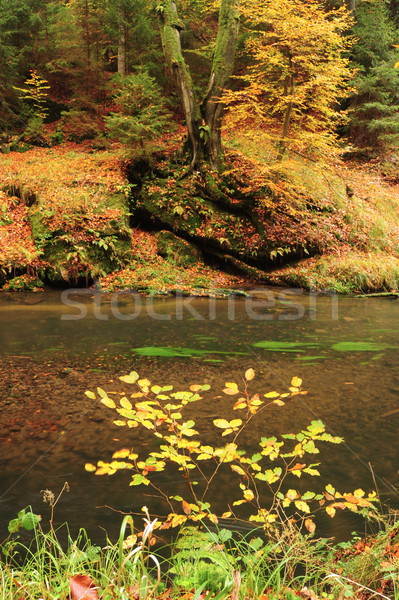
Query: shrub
159, 410
142, 113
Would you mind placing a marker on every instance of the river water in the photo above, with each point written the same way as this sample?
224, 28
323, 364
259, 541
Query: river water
56, 345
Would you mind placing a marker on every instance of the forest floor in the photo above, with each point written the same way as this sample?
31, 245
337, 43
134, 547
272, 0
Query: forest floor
79, 215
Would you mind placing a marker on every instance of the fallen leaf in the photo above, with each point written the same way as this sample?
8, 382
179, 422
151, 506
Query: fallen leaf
82, 587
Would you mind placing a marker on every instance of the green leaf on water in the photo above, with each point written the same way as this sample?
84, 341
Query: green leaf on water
360, 346
281, 346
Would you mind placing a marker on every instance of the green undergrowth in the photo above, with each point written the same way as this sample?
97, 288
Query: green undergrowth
40, 561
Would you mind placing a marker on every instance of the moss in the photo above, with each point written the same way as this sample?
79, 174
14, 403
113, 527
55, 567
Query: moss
177, 251
180, 207
352, 272
23, 283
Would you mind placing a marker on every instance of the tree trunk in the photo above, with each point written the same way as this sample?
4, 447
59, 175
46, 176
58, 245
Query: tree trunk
87, 33
351, 5
204, 122
171, 43
122, 49
289, 91
222, 69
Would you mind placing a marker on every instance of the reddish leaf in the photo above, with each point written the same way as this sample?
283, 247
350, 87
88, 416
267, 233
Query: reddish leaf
82, 587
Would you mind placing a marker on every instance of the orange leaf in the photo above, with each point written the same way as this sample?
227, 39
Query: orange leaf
82, 587
186, 507
310, 525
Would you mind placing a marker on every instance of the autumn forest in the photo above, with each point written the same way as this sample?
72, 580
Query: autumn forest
196, 145
199, 275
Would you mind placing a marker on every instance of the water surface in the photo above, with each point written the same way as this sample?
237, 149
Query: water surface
53, 347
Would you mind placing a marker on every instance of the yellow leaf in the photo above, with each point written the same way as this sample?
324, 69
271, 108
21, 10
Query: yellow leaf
90, 468
231, 385
108, 402
221, 423
144, 383
237, 469
241, 403
227, 431
249, 374
126, 404
303, 506
120, 423
249, 495
330, 510
292, 494
195, 388
296, 382
396, 65
226, 515
279, 402
272, 395
235, 423
122, 453
230, 391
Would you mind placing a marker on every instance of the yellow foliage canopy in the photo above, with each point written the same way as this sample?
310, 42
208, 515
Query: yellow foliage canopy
299, 69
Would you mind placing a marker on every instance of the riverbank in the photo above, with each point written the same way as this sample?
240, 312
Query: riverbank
38, 560
73, 215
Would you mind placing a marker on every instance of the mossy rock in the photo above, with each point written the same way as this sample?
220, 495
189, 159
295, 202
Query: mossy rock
178, 207
23, 283
177, 251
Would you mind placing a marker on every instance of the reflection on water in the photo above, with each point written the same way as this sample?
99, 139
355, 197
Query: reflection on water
53, 348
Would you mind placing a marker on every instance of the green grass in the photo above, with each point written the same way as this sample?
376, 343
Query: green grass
200, 563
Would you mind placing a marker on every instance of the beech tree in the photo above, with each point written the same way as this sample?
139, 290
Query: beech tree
203, 117
298, 73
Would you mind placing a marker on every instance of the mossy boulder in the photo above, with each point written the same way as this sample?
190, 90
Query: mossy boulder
178, 206
177, 251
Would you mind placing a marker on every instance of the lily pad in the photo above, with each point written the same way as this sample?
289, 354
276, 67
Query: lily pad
360, 346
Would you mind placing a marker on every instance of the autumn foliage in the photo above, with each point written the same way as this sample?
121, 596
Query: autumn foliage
272, 469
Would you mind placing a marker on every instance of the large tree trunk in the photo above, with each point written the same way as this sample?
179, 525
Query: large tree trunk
222, 69
170, 34
204, 122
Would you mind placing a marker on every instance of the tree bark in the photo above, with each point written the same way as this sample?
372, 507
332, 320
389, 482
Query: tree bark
170, 34
204, 122
351, 5
289, 91
122, 48
222, 68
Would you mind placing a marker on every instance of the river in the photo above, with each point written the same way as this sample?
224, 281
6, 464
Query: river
56, 345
